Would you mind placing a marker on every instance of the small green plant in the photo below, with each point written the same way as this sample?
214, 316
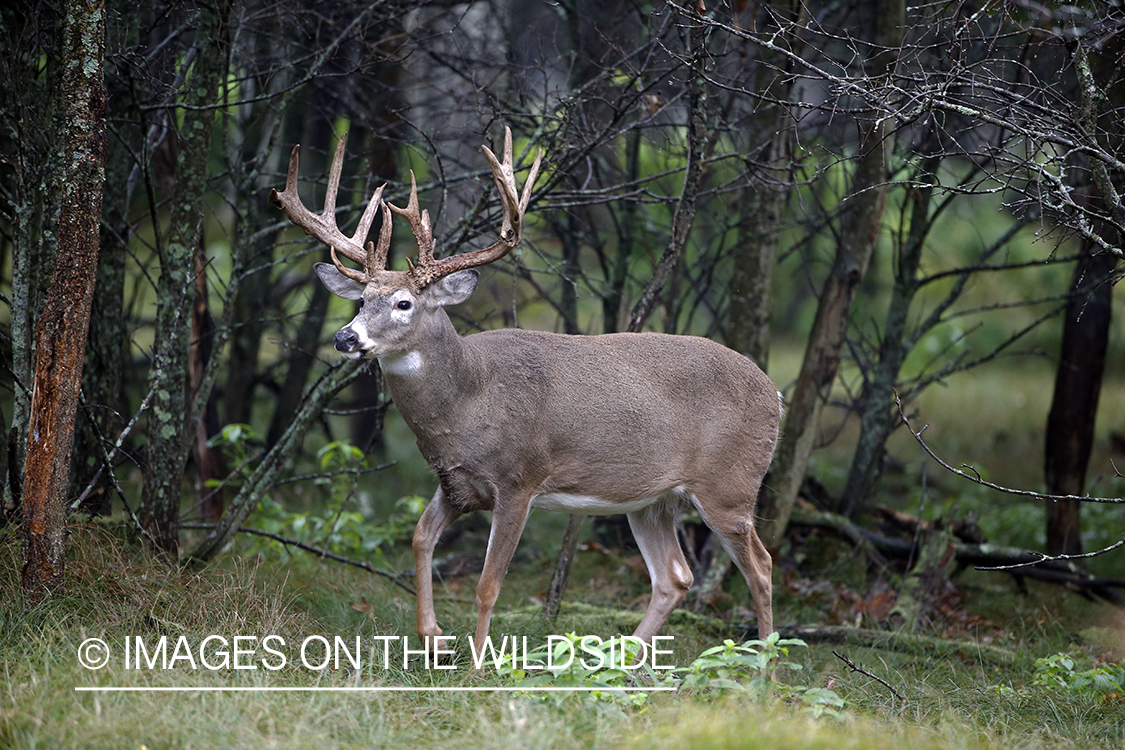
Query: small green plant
341, 532
752, 667
602, 668
749, 668
1061, 671
242, 445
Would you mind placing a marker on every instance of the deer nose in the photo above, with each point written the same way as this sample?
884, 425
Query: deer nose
346, 340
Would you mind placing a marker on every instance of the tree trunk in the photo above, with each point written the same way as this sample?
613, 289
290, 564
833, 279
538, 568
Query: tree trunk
684, 214
63, 323
926, 582
760, 205
208, 461
107, 347
862, 218
168, 433
877, 398
1074, 406
242, 367
33, 105
300, 362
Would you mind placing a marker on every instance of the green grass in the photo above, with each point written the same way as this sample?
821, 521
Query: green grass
256, 589
115, 592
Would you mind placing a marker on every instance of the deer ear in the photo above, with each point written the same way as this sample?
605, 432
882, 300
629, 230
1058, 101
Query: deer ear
338, 283
454, 288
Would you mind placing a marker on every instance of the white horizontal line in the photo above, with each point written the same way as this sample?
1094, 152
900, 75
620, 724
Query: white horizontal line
373, 689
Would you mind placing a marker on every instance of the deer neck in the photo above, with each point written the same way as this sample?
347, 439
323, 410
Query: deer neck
431, 382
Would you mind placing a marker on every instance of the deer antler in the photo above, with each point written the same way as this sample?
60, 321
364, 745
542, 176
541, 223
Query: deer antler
514, 205
323, 225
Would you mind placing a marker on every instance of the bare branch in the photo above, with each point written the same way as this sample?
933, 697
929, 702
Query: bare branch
319, 552
976, 478
1053, 558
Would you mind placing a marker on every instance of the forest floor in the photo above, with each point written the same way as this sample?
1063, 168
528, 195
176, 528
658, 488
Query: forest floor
999, 662
1001, 668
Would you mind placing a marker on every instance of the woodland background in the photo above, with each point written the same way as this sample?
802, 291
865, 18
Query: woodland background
902, 211
895, 209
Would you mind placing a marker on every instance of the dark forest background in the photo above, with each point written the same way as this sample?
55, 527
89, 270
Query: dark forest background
868, 199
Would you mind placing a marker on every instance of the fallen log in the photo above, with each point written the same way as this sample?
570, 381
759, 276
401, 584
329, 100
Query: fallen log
1033, 565
908, 643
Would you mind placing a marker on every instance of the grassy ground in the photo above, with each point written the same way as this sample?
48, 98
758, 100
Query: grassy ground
115, 593
964, 698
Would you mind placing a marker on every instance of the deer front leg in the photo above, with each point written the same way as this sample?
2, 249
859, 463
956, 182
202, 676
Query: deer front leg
507, 527
437, 516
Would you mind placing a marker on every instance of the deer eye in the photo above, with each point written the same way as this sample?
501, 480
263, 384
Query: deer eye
404, 304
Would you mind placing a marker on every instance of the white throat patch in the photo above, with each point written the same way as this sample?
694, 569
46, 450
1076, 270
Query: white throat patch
402, 365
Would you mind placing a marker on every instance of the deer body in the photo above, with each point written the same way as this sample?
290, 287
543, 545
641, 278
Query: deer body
616, 419
512, 420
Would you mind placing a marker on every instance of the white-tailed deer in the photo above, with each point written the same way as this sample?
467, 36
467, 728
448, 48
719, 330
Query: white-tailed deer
512, 420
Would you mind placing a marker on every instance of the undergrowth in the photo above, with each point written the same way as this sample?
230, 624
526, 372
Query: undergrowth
1056, 692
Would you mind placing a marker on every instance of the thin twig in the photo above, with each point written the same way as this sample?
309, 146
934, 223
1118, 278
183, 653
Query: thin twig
857, 668
975, 476
1050, 558
323, 553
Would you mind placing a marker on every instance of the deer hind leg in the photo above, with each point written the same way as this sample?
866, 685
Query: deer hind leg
437, 516
734, 525
655, 532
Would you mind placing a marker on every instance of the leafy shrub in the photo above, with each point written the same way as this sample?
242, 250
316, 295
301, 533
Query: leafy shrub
748, 668
340, 531
752, 667
1061, 671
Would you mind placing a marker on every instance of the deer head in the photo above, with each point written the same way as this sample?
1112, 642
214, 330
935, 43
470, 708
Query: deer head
395, 304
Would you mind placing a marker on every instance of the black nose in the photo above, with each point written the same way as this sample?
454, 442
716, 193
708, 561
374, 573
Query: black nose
346, 340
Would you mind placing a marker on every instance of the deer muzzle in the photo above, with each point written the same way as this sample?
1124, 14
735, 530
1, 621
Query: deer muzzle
347, 341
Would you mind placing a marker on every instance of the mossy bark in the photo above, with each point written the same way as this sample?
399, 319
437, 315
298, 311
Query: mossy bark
925, 582
169, 435
877, 399
60, 332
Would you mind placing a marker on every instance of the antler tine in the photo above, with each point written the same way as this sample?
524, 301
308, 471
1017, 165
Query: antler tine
532, 174
334, 172
323, 225
377, 254
513, 204
352, 274
419, 224
368, 217
376, 257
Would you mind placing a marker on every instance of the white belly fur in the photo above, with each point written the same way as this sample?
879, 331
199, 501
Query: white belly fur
584, 505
